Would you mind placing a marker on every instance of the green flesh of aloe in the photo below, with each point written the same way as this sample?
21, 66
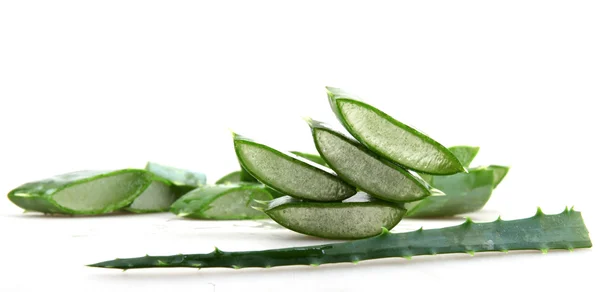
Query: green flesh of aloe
82, 192
183, 180
465, 154
158, 197
290, 174
357, 217
223, 202
566, 231
390, 138
360, 167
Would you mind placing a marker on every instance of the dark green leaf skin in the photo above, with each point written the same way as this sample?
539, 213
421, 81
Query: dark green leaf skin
450, 164
38, 195
340, 189
336, 220
565, 231
411, 181
312, 157
464, 193
200, 203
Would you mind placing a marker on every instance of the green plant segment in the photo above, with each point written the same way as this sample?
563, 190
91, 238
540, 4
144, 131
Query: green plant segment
566, 231
312, 157
289, 174
464, 192
82, 192
357, 217
354, 163
157, 197
390, 138
223, 202
183, 180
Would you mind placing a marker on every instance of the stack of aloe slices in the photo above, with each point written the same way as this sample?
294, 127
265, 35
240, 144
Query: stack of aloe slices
384, 171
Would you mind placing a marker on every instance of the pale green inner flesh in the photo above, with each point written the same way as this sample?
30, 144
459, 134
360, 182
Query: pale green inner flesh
237, 204
99, 193
291, 177
158, 196
355, 221
395, 142
366, 172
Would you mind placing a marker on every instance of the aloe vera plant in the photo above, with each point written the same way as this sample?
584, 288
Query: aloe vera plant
543, 232
82, 192
357, 165
390, 138
290, 174
357, 217
223, 202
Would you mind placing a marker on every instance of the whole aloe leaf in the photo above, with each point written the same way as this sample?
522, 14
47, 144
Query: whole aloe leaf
566, 230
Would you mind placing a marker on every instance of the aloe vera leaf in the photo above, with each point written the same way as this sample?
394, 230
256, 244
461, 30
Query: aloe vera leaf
465, 154
82, 192
182, 179
245, 176
290, 174
464, 193
158, 197
357, 217
312, 157
543, 232
232, 177
390, 138
499, 173
358, 166
222, 202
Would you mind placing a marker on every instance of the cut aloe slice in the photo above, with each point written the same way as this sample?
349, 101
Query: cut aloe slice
230, 178
499, 173
312, 157
290, 174
358, 166
357, 217
223, 202
82, 192
182, 179
390, 138
464, 193
158, 197
465, 154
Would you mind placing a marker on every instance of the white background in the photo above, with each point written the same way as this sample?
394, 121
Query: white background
113, 84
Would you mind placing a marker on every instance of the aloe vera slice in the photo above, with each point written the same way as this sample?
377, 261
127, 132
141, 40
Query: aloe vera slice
222, 202
158, 197
566, 231
358, 166
230, 178
465, 154
357, 217
390, 138
290, 174
499, 173
464, 193
82, 192
183, 180
312, 157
